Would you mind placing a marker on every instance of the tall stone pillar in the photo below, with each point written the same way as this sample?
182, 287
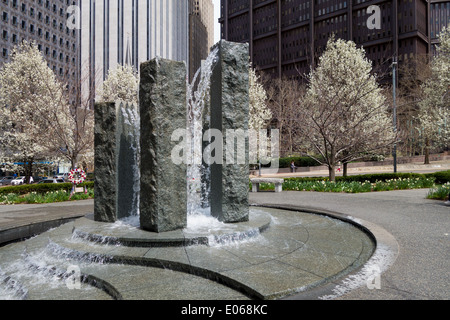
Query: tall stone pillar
229, 115
116, 161
162, 95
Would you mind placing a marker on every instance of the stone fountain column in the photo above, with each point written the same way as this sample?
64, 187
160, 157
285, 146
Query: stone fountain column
229, 181
116, 161
163, 194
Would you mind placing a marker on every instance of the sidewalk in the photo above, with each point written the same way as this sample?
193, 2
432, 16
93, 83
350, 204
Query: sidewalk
419, 226
22, 221
434, 166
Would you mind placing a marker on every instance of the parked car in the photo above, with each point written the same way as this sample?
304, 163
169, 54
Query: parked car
64, 176
37, 179
52, 181
6, 181
20, 180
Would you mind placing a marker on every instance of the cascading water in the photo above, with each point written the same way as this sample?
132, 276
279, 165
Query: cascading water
198, 97
200, 220
129, 120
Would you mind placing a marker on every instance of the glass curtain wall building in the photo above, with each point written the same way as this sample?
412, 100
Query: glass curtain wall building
143, 28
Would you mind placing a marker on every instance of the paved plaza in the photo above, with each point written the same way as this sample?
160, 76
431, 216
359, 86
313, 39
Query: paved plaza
386, 245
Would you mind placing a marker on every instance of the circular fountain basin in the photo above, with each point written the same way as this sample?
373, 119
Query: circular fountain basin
201, 230
295, 253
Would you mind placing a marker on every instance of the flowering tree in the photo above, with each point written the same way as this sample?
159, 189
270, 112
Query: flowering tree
29, 93
38, 122
285, 102
76, 131
434, 112
73, 134
260, 114
344, 111
122, 84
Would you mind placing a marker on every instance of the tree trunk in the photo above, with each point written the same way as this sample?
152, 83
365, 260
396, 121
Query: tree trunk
345, 167
427, 151
332, 172
28, 170
74, 161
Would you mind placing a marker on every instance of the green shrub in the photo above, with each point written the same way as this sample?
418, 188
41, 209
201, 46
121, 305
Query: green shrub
299, 162
442, 177
440, 192
374, 177
324, 185
45, 197
42, 188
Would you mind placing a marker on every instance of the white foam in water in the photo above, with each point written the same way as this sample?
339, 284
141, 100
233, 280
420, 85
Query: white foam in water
10, 289
205, 224
380, 261
218, 233
36, 270
132, 221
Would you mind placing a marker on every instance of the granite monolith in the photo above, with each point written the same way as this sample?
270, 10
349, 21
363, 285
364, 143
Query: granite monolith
163, 193
116, 161
229, 111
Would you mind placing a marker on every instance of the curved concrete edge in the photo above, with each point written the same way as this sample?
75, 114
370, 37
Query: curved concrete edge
384, 256
155, 263
26, 231
88, 279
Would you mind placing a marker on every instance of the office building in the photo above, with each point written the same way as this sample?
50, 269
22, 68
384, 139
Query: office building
144, 28
201, 32
44, 22
286, 37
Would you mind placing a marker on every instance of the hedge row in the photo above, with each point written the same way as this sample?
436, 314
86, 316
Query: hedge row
42, 187
299, 162
440, 177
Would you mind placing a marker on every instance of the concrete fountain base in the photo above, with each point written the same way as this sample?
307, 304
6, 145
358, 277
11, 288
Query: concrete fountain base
277, 254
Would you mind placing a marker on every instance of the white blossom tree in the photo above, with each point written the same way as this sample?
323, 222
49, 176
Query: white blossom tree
37, 121
121, 84
344, 111
434, 113
260, 114
30, 92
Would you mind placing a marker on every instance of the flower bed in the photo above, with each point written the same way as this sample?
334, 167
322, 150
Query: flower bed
355, 186
44, 197
440, 192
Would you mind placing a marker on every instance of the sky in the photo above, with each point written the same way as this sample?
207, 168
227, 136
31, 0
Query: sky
216, 18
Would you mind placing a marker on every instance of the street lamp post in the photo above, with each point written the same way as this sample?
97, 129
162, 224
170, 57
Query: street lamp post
394, 82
